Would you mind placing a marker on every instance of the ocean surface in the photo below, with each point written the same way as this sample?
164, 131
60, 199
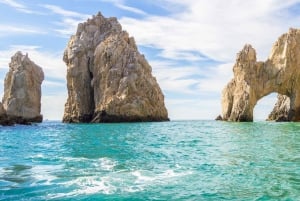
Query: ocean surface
177, 160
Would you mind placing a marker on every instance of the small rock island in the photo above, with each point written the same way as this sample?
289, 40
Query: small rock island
108, 80
253, 80
21, 103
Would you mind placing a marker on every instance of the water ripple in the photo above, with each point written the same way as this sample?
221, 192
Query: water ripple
183, 160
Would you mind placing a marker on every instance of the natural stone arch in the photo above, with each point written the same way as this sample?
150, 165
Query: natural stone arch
254, 80
264, 106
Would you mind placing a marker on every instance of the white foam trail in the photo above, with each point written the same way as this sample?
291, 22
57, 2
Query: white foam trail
39, 156
107, 164
141, 178
44, 174
87, 186
168, 174
92, 185
101, 178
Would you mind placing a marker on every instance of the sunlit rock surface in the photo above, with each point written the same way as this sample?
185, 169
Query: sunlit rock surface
22, 92
253, 80
108, 80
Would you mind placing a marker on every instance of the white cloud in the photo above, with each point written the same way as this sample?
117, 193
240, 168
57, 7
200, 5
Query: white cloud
181, 55
66, 13
13, 4
264, 107
215, 78
53, 84
68, 27
175, 79
193, 109
8, 30
53, 107
120, 4
19, 7
131, 9
69, 19
217, 29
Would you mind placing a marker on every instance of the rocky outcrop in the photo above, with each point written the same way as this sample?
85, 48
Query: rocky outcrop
21, 102
281, 110
219, 118
3, 117
108, 80
254, 80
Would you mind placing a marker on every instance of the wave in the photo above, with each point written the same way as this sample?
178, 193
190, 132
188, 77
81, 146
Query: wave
117, 182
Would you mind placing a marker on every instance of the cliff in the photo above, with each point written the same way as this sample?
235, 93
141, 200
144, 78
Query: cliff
253, 80
108, 80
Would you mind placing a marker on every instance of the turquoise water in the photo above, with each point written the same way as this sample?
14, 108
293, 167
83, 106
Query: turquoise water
178, 160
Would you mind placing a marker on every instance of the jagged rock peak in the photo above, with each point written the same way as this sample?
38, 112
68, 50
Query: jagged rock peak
108, 80
247, 54
22, 91
253, 80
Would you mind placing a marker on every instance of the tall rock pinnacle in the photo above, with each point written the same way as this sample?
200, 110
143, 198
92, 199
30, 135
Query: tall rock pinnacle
22, 92
108, 79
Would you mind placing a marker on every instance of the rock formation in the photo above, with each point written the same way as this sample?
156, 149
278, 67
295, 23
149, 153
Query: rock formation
254, 80
21, 102
3, 116
108, 80
281, 109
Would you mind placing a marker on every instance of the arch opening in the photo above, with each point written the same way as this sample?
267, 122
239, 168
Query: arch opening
264, 107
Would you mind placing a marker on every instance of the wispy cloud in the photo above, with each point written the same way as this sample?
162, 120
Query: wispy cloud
66, 13
53, 106
193, 109
174, 77
8, 30
131, 9
120, 4
18, 6
214, 79
215, 28
51, 62
68, 19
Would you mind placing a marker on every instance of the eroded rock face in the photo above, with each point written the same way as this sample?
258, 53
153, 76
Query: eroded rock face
108, 80
3, 116
281, 110
22, 91
254, 80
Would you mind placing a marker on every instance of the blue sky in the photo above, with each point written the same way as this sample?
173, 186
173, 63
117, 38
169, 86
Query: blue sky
191, 45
